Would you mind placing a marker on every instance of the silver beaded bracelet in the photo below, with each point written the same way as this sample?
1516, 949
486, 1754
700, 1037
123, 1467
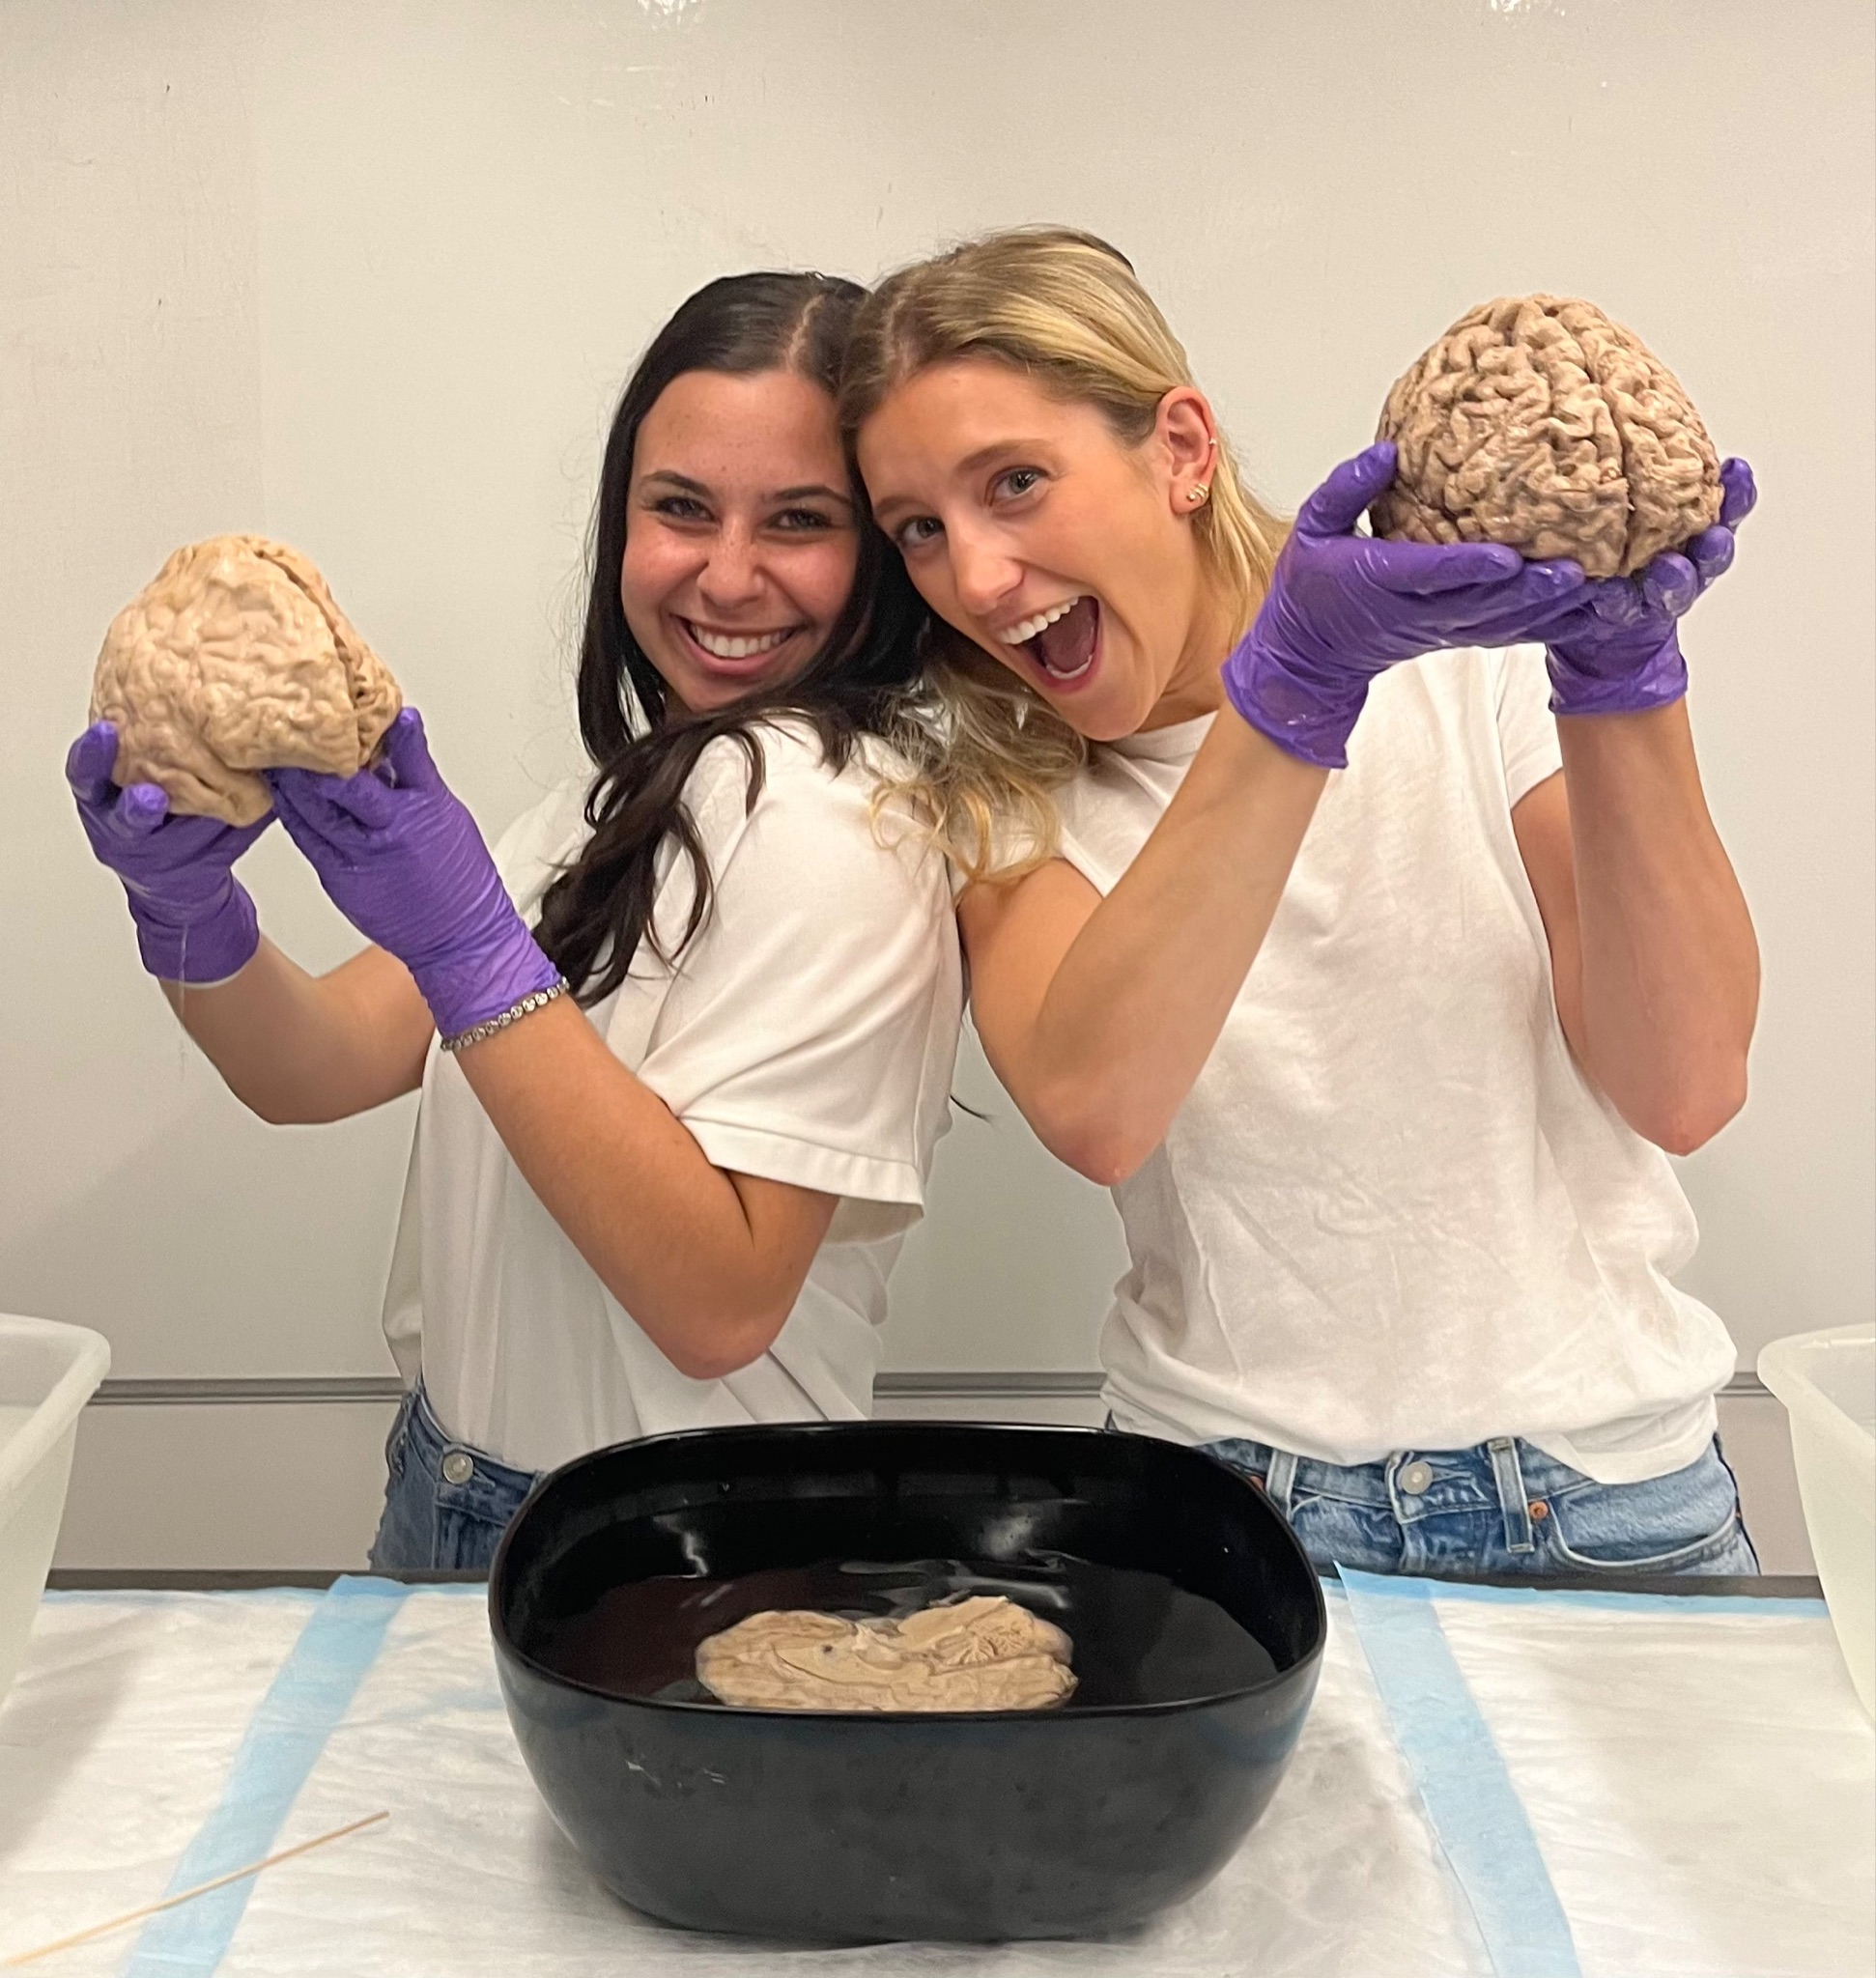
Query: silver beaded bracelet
513, 1014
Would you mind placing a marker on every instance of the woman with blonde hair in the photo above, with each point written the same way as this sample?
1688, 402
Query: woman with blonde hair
1374, 992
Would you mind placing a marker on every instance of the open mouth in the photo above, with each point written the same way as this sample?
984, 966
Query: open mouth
1063, 641
744, 651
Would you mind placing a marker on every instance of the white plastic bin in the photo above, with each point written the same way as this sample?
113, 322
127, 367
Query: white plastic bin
1828, 1383
48, 1373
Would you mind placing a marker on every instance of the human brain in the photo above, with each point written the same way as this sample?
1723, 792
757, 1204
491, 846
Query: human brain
983, 1654
235, 659
1537, 422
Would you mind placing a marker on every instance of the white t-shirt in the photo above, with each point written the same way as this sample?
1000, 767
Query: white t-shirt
806, 1034
1392, 1213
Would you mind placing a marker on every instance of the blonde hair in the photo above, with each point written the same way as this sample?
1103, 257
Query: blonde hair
985, 753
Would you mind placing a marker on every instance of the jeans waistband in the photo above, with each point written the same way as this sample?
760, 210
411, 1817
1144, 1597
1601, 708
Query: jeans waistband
469, 1478
1420, 1483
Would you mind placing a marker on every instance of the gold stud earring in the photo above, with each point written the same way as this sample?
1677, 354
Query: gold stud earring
1198, 493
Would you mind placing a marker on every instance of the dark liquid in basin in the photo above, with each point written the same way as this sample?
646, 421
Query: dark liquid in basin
1138, 1638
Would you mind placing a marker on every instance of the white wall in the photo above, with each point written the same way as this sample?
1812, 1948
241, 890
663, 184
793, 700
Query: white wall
367, 279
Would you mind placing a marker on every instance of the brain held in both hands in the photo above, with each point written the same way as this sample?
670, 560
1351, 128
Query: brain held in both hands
235, 659
1537, 422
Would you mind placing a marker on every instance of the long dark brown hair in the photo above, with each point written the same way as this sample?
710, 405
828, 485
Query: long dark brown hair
597, 911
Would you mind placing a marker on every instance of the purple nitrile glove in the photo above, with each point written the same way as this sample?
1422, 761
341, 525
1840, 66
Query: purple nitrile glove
195, 922
1342, 608
1618, 652
401, 858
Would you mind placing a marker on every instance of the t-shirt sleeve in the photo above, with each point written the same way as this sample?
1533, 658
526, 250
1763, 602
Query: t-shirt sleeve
1075, 849
1101, 836
808, 1032
1527, 730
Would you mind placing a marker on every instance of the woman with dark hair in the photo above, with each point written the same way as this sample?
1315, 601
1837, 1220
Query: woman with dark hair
685, 1041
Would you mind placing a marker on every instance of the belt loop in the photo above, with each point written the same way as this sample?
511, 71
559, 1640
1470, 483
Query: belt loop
1281, 1479
1513, 1498
399, 1432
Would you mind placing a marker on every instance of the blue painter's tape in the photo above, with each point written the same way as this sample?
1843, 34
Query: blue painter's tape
309, 1695
1476, 1813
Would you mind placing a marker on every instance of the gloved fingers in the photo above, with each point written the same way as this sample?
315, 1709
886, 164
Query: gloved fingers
1711, 553
1340, 501
139, 810
185, 840
1738, 493
1543, 595
1619, 603
1524, 624
1425, 570
405, 751
1537, 596
1663, 589
365, 799
1669, 584
305, 801
89, 762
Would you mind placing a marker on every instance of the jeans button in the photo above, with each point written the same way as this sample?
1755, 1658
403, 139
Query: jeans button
1415, 1476
458, 1468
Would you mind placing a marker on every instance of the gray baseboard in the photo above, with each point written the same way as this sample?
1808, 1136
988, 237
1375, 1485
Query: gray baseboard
300, 1390
287, 1472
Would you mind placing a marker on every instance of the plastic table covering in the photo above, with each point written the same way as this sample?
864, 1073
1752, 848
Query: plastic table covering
1531, 1782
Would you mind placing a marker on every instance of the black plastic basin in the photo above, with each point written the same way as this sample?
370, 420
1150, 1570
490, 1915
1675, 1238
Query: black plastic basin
856, 1827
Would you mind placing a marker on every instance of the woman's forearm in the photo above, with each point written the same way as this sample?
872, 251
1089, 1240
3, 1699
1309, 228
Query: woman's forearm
1670, 964
301, 1049
1101, 1044
708, 1263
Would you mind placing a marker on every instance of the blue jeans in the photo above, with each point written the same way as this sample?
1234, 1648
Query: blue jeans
1502, 1507
445, 1503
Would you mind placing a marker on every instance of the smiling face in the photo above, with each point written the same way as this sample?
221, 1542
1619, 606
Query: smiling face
741, 540
1066, 555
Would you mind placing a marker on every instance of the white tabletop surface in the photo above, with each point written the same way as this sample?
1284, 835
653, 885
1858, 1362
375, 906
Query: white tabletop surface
1690, 1783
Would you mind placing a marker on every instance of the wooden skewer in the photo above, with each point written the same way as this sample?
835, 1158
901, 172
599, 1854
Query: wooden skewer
222, 1882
